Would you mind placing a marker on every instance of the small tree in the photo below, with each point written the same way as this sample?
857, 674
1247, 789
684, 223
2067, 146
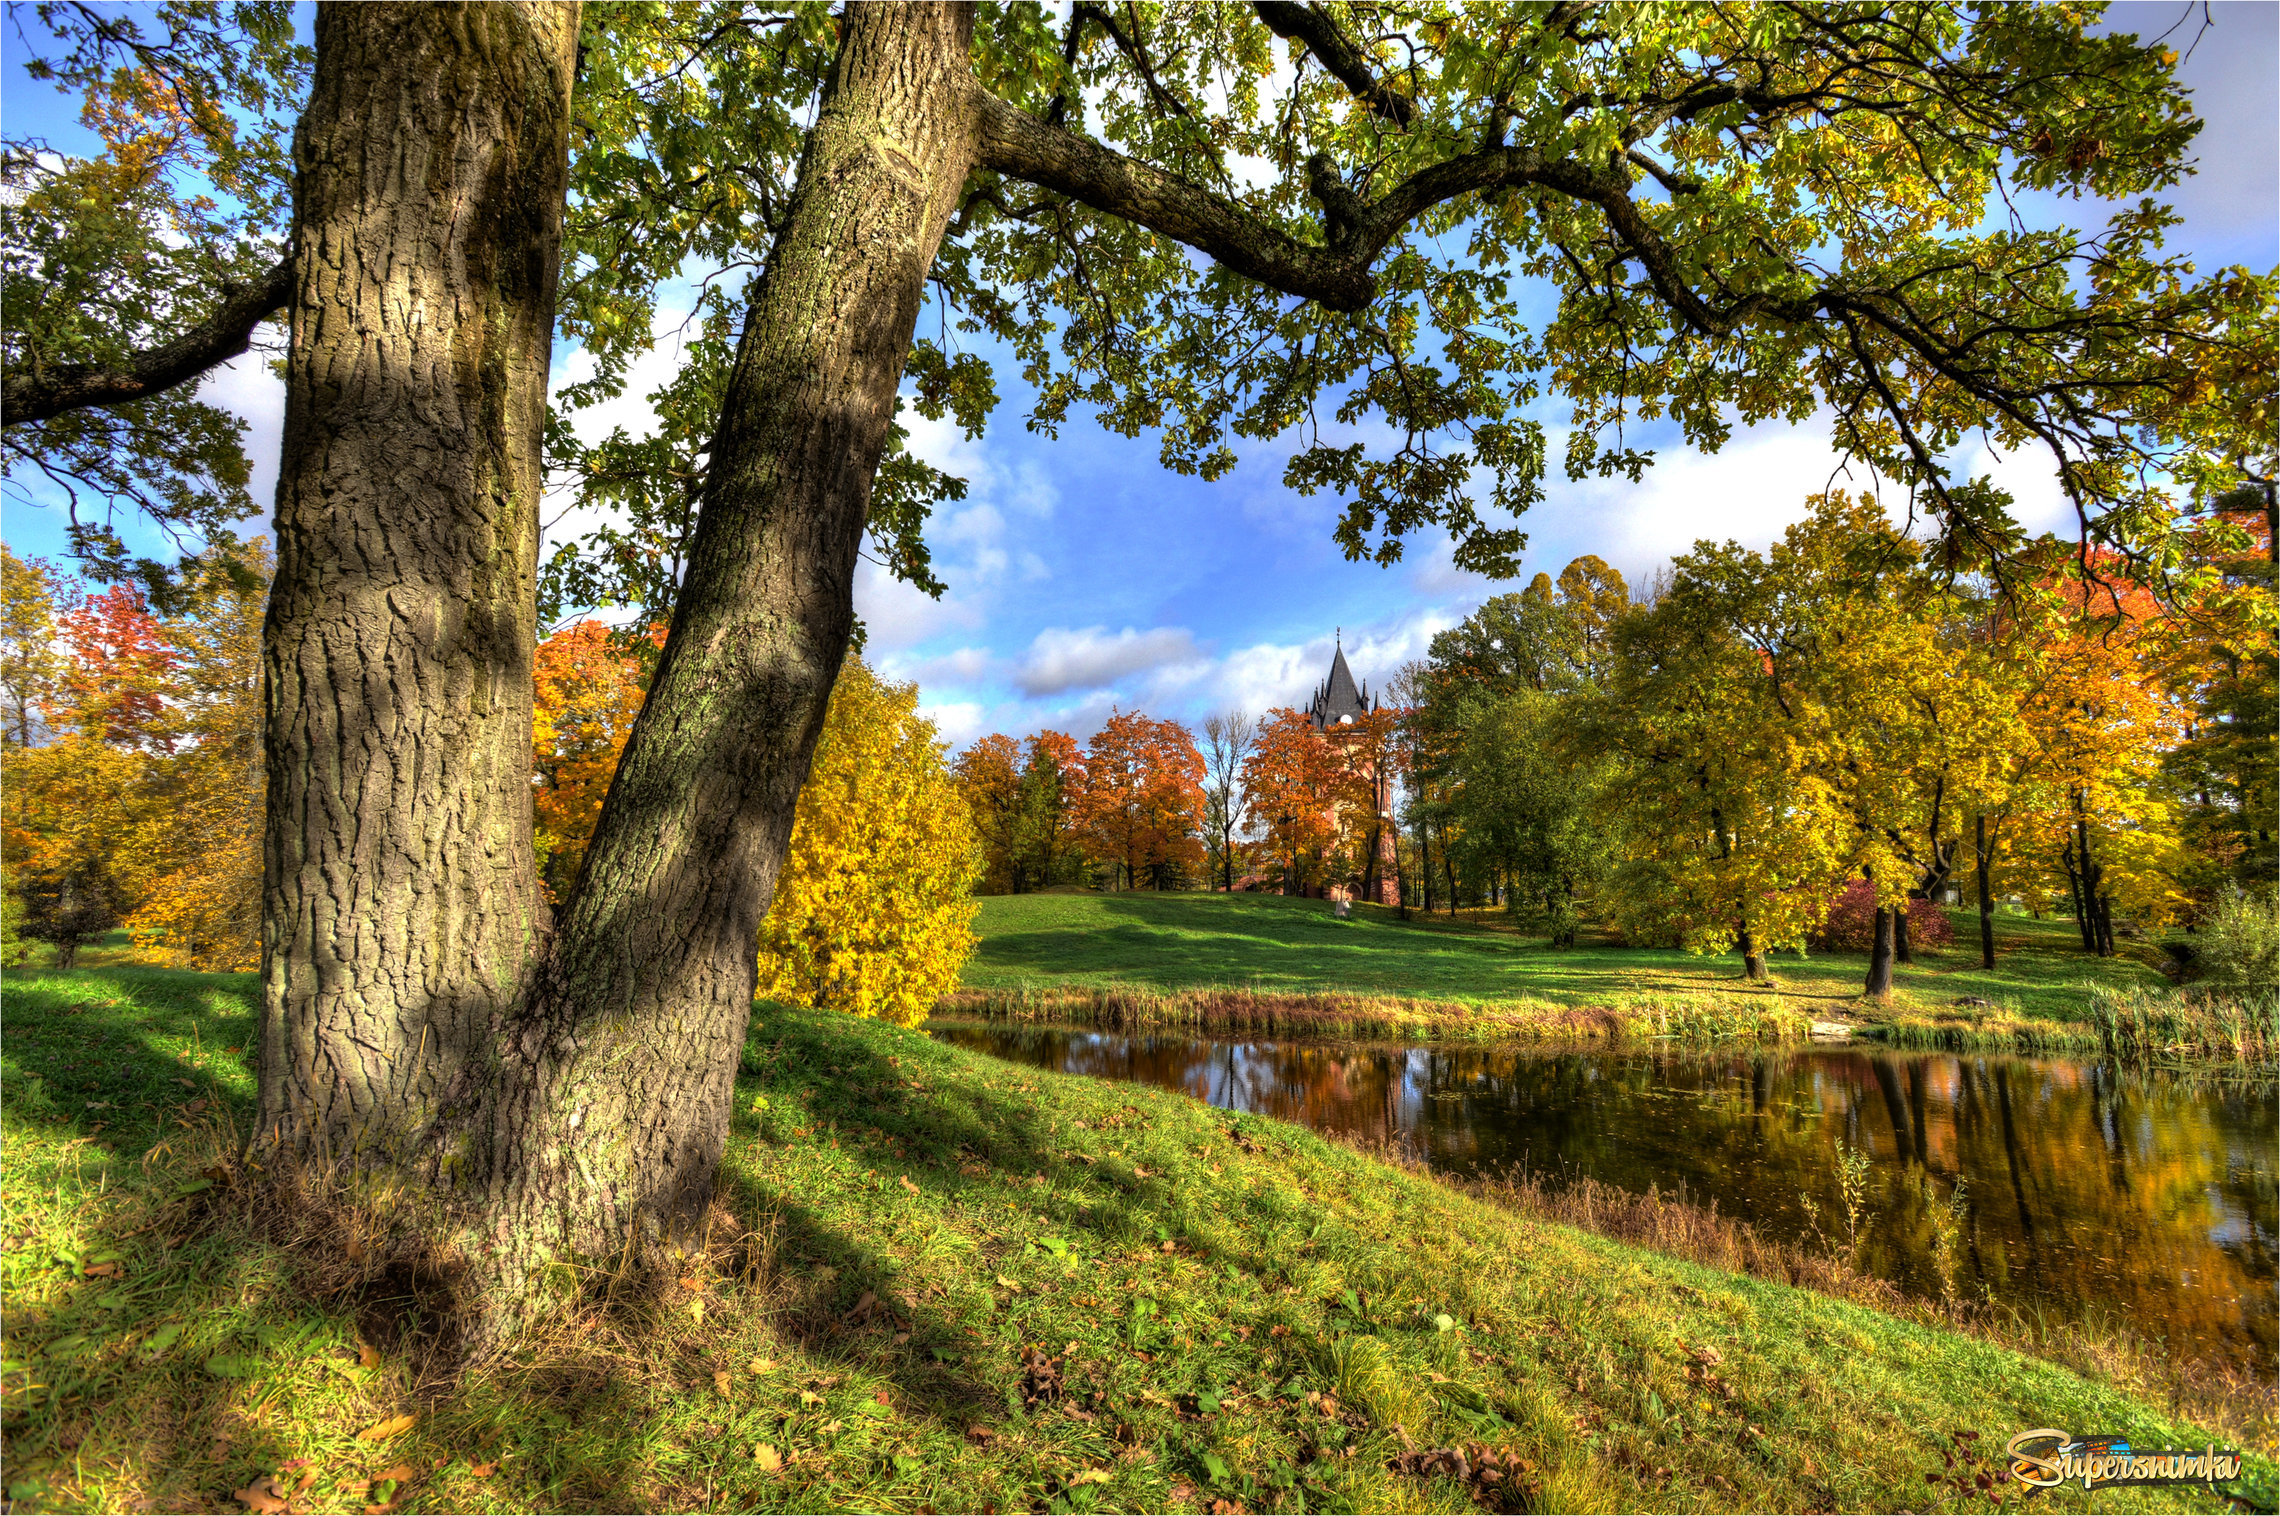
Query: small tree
68, 903
1227, 741
873, 911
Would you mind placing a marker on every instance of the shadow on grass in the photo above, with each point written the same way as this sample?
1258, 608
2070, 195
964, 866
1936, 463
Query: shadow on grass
191, 1348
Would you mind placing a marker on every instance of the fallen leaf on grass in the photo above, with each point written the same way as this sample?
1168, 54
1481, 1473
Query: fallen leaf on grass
367, 1356
109, 1269
394, 1426
720, 1380
1040, 1378
262, 1496
1141, 1173
484, 1470
768, 1460
1181, 1494
762, 1365
906, 1184
399, 1473
1090, 1476
980, 1434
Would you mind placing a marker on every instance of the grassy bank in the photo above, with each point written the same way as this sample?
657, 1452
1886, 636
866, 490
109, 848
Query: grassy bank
934, 1280
1245, 962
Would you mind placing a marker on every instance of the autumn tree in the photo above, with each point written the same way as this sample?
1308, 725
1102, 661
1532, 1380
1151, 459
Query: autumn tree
872, 915
202, 906
1728, 838
28, 658
587, 684
989, 776
1067, 185
1141, 809
1290, 783
1052, 780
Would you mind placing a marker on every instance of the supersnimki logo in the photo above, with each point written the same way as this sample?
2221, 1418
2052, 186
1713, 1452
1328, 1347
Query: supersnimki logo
2046, 1458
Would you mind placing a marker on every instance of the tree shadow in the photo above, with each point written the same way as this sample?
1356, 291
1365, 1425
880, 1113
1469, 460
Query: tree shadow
627, 1354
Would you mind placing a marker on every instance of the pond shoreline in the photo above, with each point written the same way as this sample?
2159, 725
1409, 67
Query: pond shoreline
2140, 1031
1977, 1192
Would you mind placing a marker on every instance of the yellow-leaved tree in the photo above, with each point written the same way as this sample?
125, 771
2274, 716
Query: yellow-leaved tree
873, 912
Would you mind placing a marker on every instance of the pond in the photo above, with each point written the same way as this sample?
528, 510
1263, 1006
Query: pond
2146, 1198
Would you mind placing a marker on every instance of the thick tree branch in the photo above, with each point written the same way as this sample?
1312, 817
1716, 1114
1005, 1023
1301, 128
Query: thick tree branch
1304, 23
1013, 142
41, 394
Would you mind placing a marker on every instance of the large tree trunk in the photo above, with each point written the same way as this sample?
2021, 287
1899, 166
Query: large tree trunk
1879, 986
617, 1075
1753, 959
401, 898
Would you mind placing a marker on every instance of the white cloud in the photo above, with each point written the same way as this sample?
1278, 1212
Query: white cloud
1060, 659
967, 665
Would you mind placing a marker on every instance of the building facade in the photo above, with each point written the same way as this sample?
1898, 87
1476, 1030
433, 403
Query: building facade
1337, 709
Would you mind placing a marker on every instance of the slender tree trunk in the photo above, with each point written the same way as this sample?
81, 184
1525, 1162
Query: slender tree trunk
1900, 945
614, 1104
1983, 861
401, 902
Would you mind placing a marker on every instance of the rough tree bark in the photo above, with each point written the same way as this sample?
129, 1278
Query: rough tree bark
611, 1110
402, 903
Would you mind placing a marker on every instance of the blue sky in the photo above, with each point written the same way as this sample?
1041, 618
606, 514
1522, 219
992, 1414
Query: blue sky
1083, 576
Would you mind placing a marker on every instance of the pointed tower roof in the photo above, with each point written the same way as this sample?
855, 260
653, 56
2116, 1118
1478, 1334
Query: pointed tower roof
1338, 698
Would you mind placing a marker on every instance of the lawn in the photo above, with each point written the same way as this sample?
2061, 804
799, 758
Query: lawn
936, 1281
1178, 942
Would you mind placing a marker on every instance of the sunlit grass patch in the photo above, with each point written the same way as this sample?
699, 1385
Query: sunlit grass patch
937, 1280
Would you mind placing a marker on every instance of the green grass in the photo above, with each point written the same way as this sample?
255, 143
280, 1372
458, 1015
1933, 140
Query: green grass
2040, 995
898, 1223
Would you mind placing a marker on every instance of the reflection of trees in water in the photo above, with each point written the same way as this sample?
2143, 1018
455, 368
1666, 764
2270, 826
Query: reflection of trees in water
2145, 1195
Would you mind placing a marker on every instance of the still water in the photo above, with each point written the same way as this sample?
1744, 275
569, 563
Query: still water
2087, 1193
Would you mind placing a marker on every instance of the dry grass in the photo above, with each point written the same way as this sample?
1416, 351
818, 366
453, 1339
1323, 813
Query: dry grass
1221, 1008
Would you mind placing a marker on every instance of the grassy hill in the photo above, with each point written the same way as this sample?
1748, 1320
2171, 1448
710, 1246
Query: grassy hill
1185, 942
936, 1281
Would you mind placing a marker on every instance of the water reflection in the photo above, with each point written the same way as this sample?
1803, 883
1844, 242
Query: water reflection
2149, 1197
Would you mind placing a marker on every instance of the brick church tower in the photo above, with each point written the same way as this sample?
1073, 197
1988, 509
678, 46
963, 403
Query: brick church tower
1337, 706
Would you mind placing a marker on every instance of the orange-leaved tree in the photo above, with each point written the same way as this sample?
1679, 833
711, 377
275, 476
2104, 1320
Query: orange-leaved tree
1141, 806
589, 682
1292, 779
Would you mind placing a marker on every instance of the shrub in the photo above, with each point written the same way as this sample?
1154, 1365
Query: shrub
67, 904
1851, 921
2238, 945
872, 912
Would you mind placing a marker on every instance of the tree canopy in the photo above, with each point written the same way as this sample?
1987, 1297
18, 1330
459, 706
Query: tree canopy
1417, 222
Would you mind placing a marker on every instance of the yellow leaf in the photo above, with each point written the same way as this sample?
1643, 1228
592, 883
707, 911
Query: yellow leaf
763, 1365
394, 1426
720, 1380
769, 1460
1089, 1476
